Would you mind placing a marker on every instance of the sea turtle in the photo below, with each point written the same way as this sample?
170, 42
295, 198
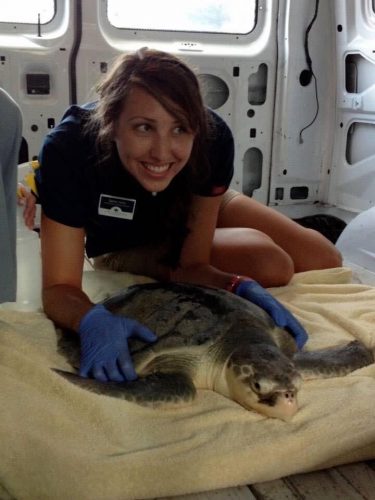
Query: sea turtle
212, 339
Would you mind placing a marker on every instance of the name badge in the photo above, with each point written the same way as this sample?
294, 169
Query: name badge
115, 206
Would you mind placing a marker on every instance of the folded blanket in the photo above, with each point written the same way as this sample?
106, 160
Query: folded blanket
60, 441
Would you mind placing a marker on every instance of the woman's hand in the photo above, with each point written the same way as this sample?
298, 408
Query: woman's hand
253, 292
28, 199
104, 344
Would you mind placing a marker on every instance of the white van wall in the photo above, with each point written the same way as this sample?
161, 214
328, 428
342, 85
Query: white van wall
46, 59
353, 165
304, 114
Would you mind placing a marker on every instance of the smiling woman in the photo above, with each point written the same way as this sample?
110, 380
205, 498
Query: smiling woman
101, 166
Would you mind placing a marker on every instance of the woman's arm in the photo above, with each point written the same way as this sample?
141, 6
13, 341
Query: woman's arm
195, 256
62, 264
196, 268
211, 256
103, 336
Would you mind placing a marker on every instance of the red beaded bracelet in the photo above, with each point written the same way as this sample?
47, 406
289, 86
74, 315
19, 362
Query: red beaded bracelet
234, 282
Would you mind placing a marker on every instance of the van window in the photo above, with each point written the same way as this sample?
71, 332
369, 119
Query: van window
209, 16
27, 12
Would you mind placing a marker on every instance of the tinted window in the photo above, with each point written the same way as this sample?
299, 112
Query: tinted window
26, 11
210, 16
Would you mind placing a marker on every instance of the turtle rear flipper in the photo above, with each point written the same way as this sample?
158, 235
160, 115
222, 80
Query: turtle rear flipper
333, 361
157, 390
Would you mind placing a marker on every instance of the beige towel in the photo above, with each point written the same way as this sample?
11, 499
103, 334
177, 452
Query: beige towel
59, 441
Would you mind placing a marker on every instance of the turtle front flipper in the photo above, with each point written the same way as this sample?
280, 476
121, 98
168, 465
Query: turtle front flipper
157, 390
333, 361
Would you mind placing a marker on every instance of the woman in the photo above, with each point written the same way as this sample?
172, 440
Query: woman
140, 180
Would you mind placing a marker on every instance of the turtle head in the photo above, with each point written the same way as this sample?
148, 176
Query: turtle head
261, 378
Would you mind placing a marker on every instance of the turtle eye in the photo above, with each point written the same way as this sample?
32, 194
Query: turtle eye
263, 386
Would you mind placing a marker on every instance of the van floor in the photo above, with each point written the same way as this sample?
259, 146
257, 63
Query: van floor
346, 482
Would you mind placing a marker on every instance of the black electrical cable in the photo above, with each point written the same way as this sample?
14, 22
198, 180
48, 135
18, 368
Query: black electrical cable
306, 75
306, 44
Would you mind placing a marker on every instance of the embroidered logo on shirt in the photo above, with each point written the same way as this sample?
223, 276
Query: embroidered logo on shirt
115, 206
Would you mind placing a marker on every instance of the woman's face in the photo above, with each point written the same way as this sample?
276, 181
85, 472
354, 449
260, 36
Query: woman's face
153, 145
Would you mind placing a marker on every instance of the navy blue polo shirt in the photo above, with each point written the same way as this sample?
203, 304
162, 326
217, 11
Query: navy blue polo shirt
114, 209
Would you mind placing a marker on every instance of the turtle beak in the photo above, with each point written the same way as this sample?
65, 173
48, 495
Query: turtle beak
277, 403
284, 406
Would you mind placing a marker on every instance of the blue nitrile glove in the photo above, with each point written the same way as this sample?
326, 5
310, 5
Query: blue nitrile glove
104, 344
253, 292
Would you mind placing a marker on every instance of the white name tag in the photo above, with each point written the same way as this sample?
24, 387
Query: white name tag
114, 206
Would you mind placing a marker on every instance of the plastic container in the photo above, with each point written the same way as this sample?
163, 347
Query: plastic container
29, 267
357, 242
